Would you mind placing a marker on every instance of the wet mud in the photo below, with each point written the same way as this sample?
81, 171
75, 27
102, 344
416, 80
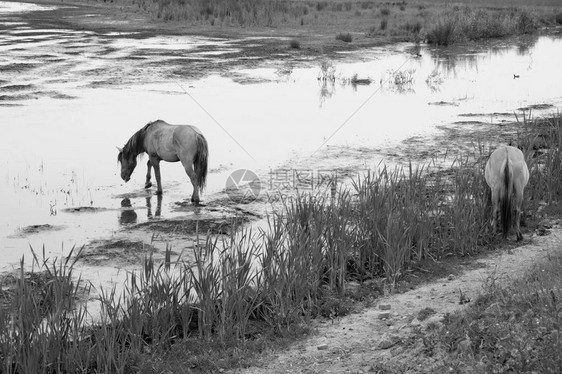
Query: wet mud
36, 229
117, 252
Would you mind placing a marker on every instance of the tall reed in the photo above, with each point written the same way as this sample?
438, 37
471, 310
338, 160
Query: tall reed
41, 323
468, 24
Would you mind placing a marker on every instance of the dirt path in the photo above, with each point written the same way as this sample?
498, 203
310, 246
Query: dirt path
355, 343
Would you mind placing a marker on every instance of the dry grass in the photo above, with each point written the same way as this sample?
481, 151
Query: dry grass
468, 24
387, 21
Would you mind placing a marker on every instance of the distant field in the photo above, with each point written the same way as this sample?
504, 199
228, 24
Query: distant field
487, 3
367, 20
317, 24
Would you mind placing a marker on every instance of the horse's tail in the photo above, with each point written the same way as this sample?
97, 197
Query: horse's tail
200, 160
506, 197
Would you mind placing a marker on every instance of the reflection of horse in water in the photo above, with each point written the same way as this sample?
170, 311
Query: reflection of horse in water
158, 206
127, 215
172, 143
507, 174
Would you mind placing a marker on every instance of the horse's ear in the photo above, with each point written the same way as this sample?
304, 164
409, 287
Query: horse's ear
119, 149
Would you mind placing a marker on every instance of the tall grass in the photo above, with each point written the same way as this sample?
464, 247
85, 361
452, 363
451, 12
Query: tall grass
235, 12
468, 24
541, 141
41, 324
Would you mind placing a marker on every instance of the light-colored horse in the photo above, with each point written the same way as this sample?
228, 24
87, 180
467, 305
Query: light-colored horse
507, 175
172, 143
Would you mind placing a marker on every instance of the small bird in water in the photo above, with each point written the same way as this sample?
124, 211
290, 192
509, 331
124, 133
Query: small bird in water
515, 76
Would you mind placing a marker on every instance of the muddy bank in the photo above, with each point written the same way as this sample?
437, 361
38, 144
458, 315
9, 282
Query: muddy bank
249, 45
382, 335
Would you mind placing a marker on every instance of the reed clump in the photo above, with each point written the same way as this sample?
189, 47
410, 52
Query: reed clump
468, 24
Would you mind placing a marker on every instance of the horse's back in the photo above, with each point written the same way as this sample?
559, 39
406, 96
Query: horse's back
179, 134
496, 165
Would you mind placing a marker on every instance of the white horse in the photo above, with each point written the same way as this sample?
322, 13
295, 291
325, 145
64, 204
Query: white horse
172, 143
507, 175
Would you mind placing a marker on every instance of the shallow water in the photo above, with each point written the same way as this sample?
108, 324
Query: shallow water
68, 97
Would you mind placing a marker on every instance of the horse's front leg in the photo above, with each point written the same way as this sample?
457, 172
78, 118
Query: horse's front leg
156, 165
148, 183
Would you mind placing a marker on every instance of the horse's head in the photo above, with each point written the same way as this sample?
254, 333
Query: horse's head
128, 164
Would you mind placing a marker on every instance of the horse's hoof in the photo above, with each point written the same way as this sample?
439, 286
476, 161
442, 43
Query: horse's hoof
148, 185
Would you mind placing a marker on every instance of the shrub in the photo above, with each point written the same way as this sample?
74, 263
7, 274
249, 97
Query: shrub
321, 5
444, 32
295, 44
366, 5
344, 37
526, 23
384, 24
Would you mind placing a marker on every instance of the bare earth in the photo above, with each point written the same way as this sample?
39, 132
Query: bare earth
358, 342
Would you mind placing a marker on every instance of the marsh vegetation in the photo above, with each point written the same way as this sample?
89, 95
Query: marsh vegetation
436, 22
245, 289
322, 254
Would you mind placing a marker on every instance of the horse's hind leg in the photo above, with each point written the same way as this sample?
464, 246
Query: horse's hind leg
148, 183
194, 181
518, 204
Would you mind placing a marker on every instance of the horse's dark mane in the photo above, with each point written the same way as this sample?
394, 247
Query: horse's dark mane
135, 145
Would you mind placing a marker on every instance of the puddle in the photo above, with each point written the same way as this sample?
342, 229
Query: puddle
72, 96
